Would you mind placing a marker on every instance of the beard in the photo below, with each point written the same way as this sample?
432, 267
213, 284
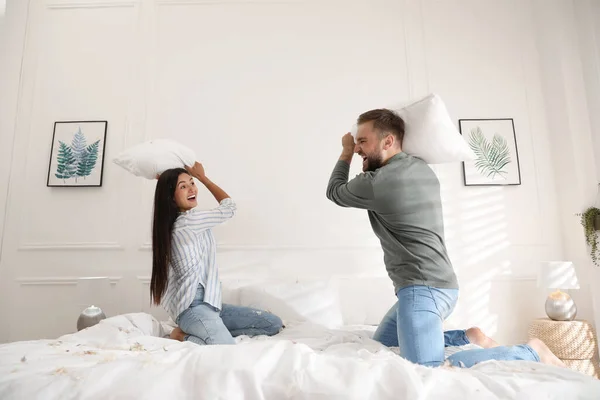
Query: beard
373, 162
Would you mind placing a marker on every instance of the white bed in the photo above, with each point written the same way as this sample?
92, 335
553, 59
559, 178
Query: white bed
127, 357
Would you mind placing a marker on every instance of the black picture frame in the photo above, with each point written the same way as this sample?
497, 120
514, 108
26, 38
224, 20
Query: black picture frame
77, 154
494, 142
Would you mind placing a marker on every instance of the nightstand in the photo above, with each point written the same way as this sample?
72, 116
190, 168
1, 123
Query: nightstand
574, 342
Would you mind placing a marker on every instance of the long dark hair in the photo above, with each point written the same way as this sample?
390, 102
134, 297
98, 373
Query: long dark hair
165, 214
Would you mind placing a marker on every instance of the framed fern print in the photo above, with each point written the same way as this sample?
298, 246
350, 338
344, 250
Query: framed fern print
77, 154
494, 143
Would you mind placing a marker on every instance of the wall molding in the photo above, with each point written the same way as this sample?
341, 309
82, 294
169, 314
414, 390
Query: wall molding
511, 278
72, 4
57, 281
61, 246
267, 247
145, 279
259, 247
222, 2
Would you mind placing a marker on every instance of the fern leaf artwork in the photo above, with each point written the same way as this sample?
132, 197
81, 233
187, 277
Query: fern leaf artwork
87, 163
77, 153
66, 162
78, 146
492, 157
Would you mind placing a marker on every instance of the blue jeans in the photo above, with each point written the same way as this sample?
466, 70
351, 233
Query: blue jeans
204, 324
415, 325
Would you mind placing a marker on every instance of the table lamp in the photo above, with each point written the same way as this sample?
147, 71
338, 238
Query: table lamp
91, 293
557, 275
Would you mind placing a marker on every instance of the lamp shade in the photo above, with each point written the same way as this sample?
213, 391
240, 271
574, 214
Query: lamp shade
93, 291
558, 275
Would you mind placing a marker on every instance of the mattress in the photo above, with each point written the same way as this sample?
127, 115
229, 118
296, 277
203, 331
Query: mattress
128, 357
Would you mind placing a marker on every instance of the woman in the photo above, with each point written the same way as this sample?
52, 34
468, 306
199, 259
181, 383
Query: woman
185, 277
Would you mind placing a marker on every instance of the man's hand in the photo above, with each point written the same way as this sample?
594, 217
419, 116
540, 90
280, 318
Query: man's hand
347, 148
348, 142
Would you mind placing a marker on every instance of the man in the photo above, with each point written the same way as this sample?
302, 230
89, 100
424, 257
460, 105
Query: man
402, 197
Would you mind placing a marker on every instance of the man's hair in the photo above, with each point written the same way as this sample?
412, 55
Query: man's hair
385, 122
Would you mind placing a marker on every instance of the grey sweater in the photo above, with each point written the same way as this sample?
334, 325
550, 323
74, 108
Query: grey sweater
405, 209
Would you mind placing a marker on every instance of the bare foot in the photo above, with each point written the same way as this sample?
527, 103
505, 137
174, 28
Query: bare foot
476, 336
177, 334
546, 356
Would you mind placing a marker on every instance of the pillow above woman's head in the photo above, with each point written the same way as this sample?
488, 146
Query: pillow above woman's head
151, 158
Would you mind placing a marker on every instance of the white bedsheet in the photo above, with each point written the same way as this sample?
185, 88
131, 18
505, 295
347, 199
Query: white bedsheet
125, 357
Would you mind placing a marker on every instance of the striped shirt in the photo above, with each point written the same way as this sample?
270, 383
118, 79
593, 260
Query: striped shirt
193, 256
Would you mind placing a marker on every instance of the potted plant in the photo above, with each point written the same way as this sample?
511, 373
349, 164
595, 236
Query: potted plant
590, 220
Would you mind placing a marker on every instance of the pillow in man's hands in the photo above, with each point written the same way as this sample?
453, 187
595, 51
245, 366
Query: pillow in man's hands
429, 133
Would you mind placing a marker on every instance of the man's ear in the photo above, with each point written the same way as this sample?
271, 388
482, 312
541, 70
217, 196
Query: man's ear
388, 142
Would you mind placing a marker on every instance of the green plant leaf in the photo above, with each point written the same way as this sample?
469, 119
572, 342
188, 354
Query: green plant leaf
78, 145
492, 158
88, 160
588, 219
66, 162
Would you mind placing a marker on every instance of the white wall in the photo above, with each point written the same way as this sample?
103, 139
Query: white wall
587, 15
567, 40
13, 21
264, 91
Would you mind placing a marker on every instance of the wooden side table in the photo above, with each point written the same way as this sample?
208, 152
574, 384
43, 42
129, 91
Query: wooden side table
574, 342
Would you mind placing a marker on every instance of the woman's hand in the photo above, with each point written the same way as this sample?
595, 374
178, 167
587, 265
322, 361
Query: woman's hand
197, 171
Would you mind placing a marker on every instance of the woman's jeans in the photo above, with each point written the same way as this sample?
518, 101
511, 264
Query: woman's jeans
204, 324
415, 325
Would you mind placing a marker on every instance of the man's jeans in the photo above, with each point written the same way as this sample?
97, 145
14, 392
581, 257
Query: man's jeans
415, 325
204, 324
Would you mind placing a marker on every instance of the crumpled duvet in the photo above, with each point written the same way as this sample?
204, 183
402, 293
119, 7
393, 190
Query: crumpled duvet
127, 357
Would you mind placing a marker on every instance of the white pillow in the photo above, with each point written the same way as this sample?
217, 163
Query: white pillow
316, 302
429, 133
230, 295
154, 157
365, 300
